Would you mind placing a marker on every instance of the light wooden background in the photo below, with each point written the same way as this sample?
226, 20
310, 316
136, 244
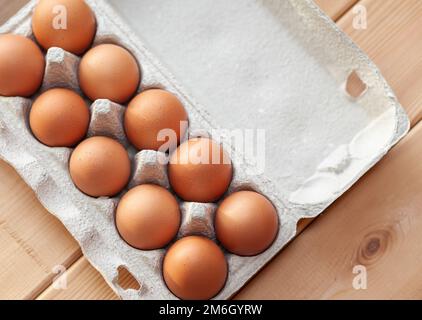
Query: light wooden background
378, 223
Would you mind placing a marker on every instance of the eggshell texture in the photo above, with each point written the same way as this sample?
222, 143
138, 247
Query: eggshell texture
195, 268
59, 118
200, 170
100, 167
109, 72
246, 223
22, 66
148, 217
150, 112
68, 24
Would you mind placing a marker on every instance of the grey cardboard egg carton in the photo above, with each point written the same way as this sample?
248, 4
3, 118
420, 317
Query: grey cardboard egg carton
91, 221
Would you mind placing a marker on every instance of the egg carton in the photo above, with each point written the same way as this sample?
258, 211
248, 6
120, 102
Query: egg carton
91, 220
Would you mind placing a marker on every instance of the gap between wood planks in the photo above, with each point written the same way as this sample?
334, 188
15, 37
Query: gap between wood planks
411, 101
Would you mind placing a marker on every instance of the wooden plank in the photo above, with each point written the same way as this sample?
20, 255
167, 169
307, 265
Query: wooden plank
31, 241
85, 282
376, 224
81, 278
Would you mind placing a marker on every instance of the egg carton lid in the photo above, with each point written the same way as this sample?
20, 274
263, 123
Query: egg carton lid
280, 66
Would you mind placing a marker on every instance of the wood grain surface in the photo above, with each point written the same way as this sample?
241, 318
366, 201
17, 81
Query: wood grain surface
33, 242
81, 279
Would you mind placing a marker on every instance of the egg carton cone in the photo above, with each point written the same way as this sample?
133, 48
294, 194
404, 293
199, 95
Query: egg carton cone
150, 167
197, 219
279, 65
107, 120
61, 70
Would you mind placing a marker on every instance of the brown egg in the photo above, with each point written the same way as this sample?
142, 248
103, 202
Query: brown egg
200, 170
109, 72
59, 118
246, 223
148, 217
68, 24
100, 167
149, 113
22, 66
195, 268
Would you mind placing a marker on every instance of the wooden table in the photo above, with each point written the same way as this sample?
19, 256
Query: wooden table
376, 224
